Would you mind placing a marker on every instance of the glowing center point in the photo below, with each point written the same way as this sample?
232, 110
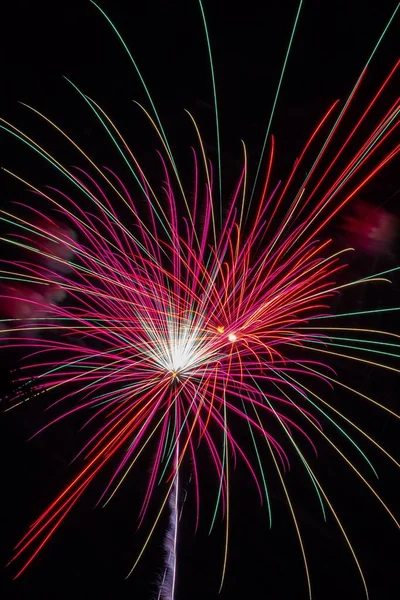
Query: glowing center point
179, 356
232, 337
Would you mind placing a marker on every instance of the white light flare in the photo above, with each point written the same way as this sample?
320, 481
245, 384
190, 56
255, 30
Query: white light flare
180, 351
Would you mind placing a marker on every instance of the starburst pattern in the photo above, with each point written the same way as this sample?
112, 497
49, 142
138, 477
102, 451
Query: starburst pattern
178, 327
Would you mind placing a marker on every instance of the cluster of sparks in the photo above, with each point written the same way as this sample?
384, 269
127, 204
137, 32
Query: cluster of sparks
176, 324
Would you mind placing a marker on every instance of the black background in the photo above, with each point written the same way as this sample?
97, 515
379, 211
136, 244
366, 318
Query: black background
94, 549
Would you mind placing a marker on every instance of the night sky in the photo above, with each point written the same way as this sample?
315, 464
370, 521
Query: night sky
94, 549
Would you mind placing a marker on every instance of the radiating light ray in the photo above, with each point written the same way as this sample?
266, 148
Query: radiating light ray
138, 72
293, 514
293, 31
342, 416
217, 128
366, 483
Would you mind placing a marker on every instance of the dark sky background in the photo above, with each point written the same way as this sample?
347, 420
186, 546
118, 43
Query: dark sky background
94, 549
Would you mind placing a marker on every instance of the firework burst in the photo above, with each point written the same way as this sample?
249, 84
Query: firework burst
191, 318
